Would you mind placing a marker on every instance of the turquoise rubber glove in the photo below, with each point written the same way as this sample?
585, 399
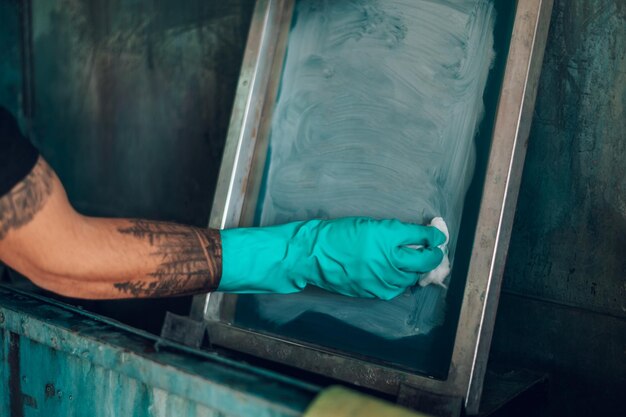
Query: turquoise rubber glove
354, 256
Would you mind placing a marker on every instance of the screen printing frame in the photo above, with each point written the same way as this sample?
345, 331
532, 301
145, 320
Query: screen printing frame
242, 169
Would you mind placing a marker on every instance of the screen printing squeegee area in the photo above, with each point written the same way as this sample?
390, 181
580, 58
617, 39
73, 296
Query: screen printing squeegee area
310, 207
352, 109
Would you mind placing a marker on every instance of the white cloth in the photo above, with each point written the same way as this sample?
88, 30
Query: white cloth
439, 274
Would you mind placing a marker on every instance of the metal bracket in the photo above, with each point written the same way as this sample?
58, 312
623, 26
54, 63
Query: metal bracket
183, 329
429, 403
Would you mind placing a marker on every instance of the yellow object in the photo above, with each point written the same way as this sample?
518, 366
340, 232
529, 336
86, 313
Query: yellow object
338, 401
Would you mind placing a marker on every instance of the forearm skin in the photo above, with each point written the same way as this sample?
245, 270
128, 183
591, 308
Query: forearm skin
84, 257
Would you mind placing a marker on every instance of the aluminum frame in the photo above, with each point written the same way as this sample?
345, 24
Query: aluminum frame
242, 167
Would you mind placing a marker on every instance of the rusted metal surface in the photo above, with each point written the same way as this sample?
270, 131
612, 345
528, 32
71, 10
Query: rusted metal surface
62, 363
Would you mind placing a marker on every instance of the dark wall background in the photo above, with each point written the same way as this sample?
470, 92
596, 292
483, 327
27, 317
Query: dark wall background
563, 308
130, 100
10, 57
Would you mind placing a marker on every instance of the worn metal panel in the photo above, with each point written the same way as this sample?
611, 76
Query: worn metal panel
58, 384
569, 238
564, 305
132, 100
57, 362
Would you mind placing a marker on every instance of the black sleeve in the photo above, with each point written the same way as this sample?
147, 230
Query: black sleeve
17, 155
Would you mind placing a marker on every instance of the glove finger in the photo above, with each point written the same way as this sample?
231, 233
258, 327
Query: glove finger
417, 260
415, 234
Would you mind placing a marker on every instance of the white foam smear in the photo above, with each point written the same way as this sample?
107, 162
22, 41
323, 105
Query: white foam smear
379, 105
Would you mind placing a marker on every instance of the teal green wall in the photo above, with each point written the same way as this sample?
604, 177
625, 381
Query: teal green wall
564, 303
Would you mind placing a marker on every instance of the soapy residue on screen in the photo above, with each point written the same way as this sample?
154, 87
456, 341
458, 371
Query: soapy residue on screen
376, 116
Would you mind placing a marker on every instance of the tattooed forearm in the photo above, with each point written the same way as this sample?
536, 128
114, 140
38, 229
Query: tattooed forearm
190, 259
26, 199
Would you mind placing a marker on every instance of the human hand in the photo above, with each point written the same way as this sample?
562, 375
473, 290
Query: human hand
354, 256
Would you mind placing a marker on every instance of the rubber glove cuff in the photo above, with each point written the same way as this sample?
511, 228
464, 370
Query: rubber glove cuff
259, 260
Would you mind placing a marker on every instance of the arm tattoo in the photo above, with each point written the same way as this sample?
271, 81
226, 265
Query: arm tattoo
26, 199
190, 259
